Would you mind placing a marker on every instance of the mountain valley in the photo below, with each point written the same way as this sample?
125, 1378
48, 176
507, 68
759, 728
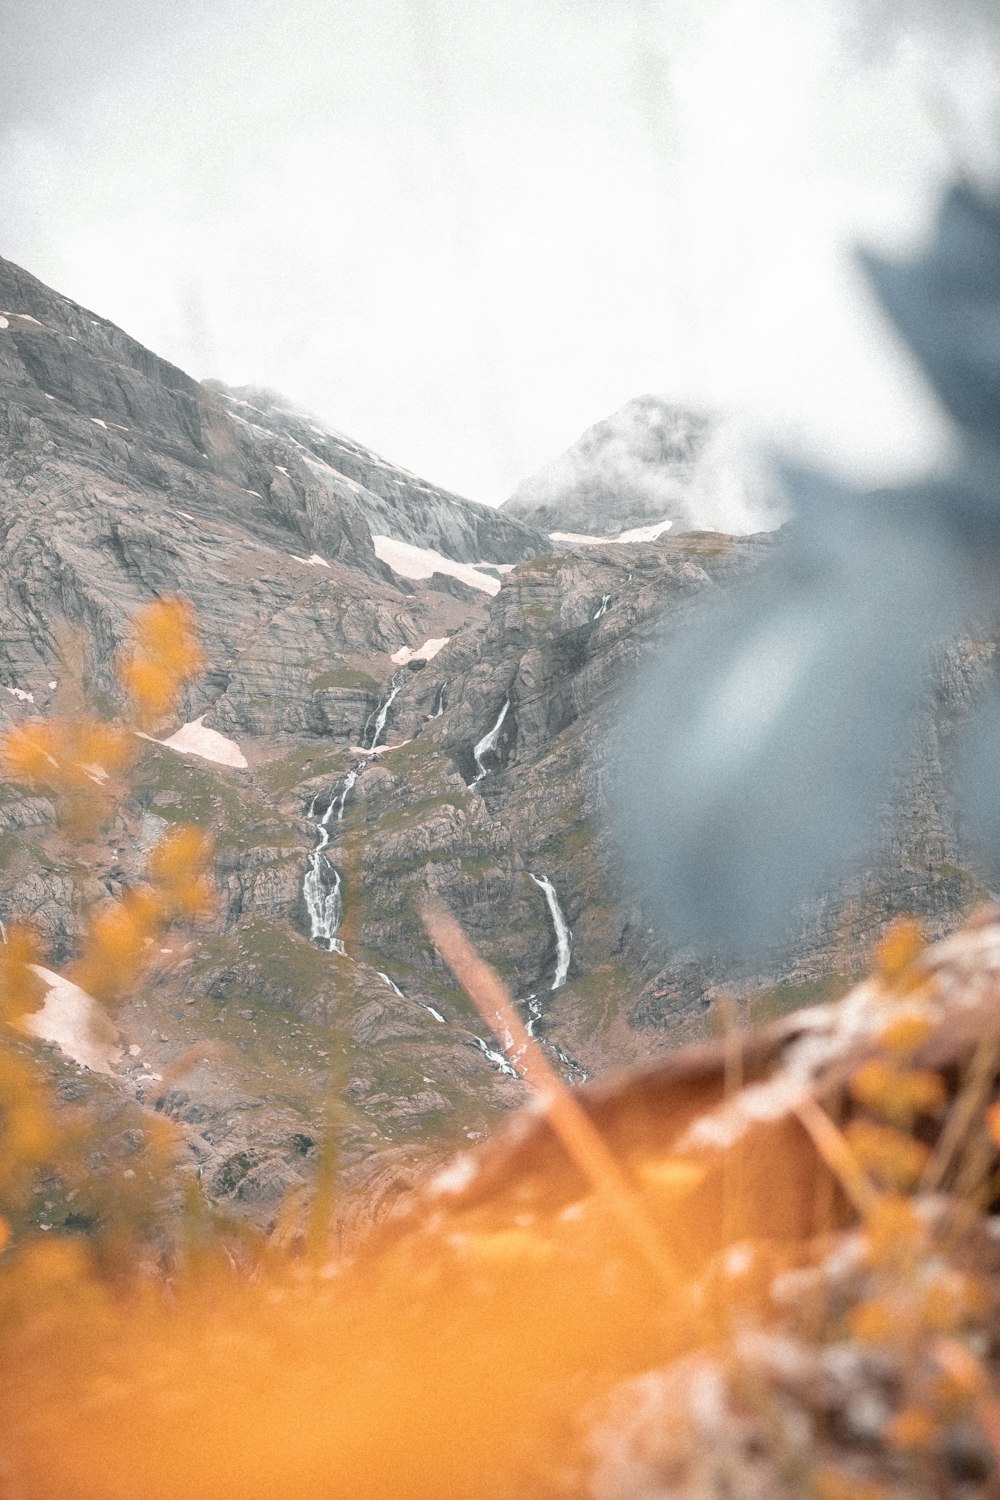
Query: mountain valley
406, 693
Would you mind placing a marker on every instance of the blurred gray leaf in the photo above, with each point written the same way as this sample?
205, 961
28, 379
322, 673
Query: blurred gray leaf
761, 746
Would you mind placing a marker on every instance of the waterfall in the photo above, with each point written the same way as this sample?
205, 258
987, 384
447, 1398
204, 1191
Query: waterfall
533, 1017
602, 608
321, 888
440, 700
348, 787
397, 991
496, 1058
564, 938
487, 744
382, 712
534, 1009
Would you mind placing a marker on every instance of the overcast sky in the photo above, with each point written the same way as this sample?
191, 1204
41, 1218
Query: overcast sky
464, 230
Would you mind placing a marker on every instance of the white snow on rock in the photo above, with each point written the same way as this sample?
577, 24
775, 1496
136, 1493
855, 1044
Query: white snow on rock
377, 749
98, 422
425, 652
75, 1022
195, 739
20, 693
315, 561
637, 534
4, 322
420, 562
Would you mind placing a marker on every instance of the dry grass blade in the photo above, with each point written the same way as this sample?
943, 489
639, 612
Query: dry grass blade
837, 1154
569, 1121
965, 1115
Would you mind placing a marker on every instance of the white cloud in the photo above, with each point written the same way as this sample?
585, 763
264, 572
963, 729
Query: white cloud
466, 240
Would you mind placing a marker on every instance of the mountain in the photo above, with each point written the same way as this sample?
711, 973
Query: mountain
405, 692
628, 471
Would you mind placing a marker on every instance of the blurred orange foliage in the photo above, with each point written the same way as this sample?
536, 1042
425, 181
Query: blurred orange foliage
162, 655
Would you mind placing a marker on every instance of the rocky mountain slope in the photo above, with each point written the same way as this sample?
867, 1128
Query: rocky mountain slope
406, 692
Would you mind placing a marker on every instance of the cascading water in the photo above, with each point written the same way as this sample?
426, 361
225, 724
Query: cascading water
564, 938
602, 608
321, 888
349, 783
440, 701
382, 712
496, 1058
397, 991
534, 1010
488, 744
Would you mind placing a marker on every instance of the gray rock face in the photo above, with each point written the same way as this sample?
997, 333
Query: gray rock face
120, 479
394, 502
634, 468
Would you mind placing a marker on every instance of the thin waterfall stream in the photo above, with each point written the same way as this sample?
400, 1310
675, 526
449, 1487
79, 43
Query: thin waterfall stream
488, 744
322, 887
381, 713
535, 1014
564, 937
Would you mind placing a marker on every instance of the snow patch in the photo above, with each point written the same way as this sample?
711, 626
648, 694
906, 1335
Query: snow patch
420, 562
425, 652
75, 1022
377, 749
4, 322
195, 739
637, 534
99, 423
315, 561
20, 693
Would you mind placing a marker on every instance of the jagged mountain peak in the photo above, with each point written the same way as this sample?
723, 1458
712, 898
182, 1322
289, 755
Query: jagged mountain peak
631, 469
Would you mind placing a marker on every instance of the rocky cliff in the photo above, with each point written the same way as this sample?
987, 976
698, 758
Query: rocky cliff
405, 692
